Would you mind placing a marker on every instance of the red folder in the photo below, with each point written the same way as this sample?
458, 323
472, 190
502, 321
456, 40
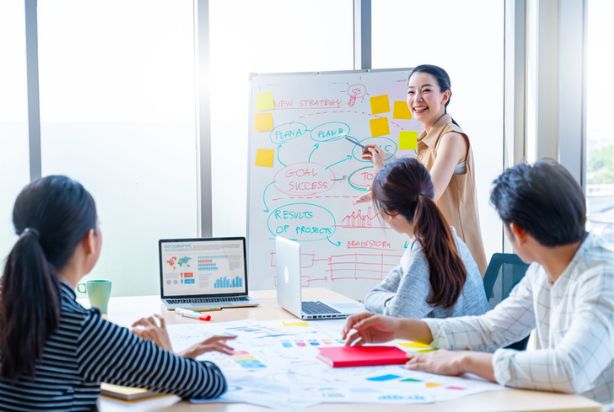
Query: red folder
342, 356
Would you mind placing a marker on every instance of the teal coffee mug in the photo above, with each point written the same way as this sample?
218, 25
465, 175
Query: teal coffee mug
98, 292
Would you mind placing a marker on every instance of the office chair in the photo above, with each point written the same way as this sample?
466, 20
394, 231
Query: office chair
504, 271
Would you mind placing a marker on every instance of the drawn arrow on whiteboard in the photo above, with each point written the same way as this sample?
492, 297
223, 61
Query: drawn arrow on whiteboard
266, 208
337, 243
348, 157
278, 159
315, 147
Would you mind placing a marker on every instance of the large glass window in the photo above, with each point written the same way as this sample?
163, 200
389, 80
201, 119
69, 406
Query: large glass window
599, 134
265, 36
14, 162
469, 46
117, 90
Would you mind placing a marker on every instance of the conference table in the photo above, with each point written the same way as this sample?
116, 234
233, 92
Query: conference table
125, 310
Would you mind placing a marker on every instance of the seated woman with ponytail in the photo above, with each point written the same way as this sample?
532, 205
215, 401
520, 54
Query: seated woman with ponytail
437, 276
54, 353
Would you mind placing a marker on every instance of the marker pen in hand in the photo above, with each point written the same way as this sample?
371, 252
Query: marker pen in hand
192, 314
356, 142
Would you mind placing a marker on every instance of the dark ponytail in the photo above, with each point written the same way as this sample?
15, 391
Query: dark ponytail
447, 270
27, 275
404, 187
442, 77
51, 216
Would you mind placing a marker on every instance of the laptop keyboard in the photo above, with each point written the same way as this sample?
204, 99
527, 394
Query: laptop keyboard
208, 300
312, 308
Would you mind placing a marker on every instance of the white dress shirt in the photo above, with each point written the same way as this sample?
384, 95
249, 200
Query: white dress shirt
573, 320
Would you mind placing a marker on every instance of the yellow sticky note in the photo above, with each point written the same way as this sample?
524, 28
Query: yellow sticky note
264, 122
264, 101
414, 345
295, 323
264, 157
401, 111
379, 127
432, 384
408, 140
380, 104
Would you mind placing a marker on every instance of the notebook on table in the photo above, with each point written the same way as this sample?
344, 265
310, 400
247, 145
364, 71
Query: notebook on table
289, 289
344, 356
204, 273
125, 392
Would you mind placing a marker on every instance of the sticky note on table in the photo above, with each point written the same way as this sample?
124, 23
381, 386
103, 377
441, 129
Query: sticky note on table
295, 323
264, 122
432, 384
380, 104
455, 388
408, 140
414, 345
383, 378
411, 380
401, 111
264, 101
264, 157
379, 127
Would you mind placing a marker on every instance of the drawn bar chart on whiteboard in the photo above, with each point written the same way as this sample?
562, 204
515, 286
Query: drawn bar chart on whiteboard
306, 169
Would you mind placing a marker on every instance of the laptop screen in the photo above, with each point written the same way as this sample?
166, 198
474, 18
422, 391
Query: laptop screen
203, 267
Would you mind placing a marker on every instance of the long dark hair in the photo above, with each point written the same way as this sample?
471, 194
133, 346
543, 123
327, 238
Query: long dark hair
51, 216
404, 187
544, 200
442, 77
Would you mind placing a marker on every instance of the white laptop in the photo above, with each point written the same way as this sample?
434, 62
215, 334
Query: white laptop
289, 290
204, 274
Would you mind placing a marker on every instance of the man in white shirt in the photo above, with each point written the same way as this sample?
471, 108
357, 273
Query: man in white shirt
567, 296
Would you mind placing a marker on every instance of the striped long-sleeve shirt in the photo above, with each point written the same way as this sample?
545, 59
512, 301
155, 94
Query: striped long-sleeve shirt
573, 320
86, 350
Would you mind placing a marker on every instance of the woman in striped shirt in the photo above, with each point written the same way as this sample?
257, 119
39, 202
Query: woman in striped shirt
54, 353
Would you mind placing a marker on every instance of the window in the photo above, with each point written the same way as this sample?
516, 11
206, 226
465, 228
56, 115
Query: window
599, 135
261, 37
469, 46
117, 91
14, 164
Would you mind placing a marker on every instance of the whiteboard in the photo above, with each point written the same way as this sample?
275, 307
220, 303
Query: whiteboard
304, 174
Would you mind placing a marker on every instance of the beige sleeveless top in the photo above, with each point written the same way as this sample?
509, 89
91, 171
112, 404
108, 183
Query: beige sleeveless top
458, 202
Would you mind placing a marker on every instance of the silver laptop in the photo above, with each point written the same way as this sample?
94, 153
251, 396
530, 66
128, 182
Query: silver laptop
204, 274
289, 290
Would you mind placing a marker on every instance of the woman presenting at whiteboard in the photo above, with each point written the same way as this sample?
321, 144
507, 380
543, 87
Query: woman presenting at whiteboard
445, 150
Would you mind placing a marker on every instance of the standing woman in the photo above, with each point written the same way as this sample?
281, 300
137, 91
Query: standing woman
445, 150
53, 352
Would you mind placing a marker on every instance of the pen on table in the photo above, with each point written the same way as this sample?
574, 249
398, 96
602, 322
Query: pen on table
356, 142
192, 314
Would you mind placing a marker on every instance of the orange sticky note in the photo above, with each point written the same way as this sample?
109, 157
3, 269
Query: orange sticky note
264, 101
432, 384
401, 111
379, 126
264, 157
408, 140
264, 122
380, 104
